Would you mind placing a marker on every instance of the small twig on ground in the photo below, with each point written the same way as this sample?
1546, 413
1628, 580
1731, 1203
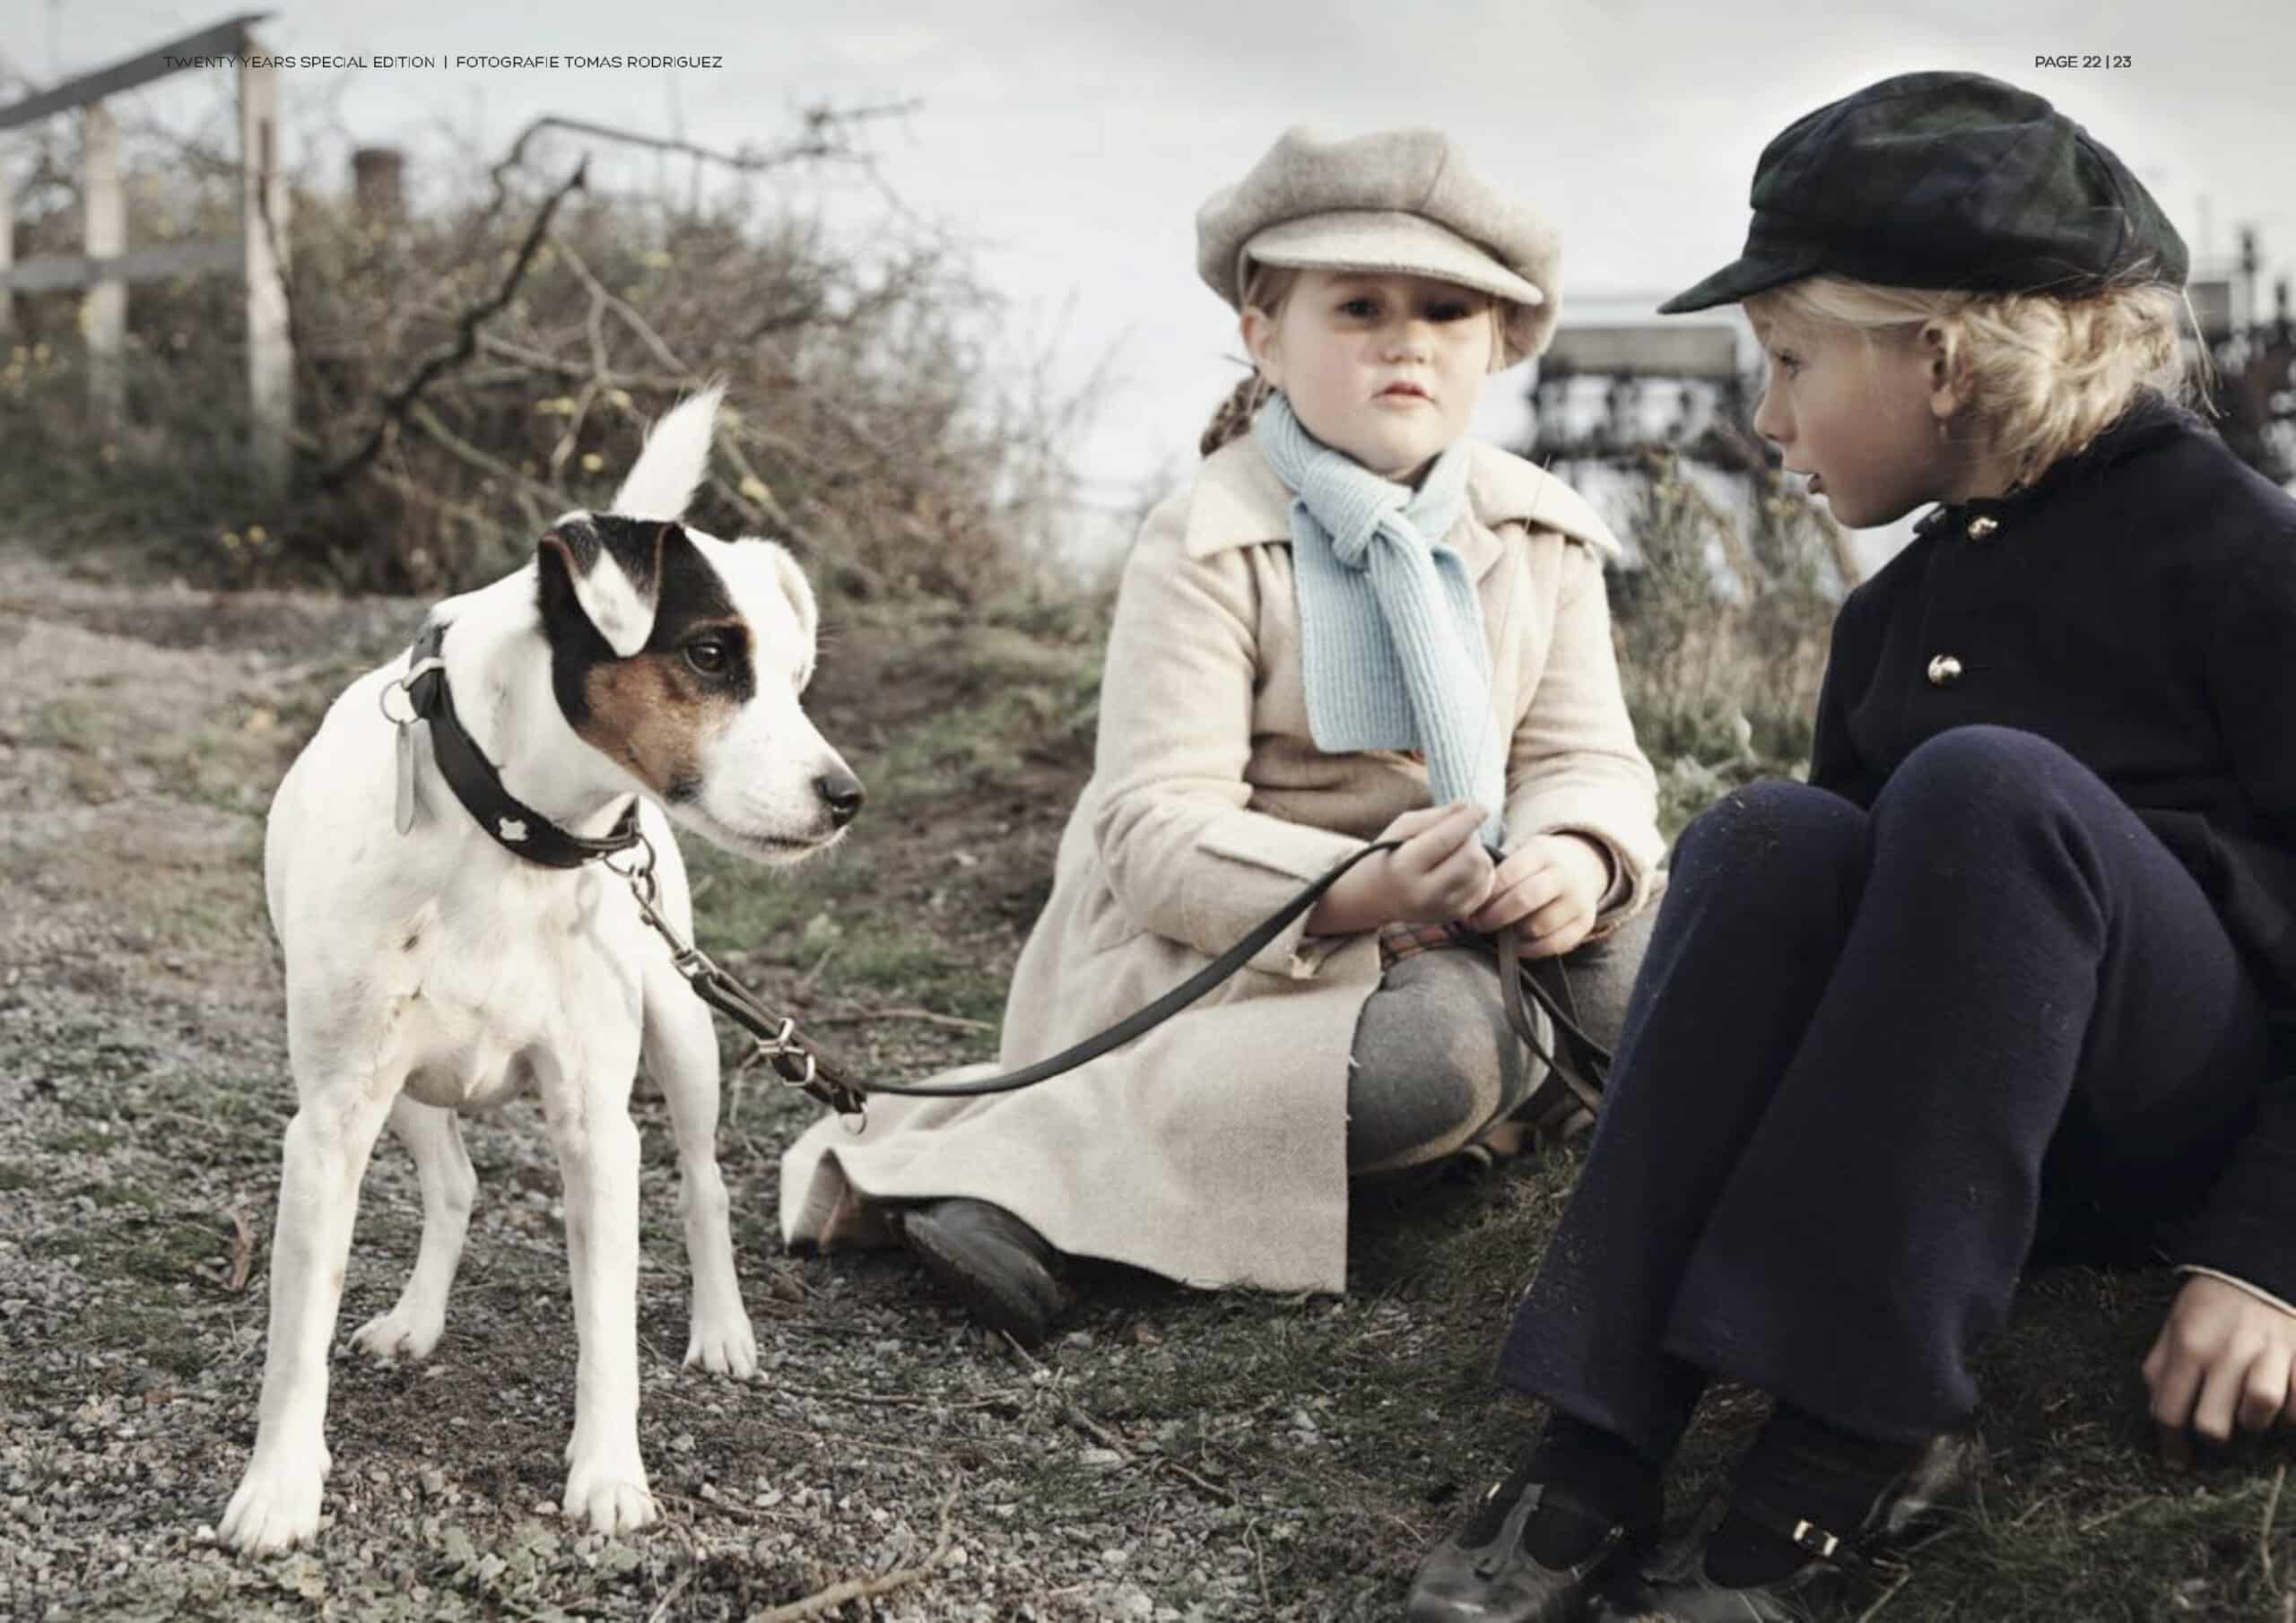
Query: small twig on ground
1259, 1560
1076, 1416
2263, 1533
670, 1599
2095, 1522
243, 1257
1886, 1596
823, 1601
2032, 1510
958, 1021
819, 964
896, 1399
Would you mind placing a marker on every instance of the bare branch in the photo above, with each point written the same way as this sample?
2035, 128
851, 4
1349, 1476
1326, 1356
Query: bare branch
466, 345
821, 142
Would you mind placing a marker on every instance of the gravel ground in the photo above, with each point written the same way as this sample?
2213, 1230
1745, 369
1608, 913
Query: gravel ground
1176, 1456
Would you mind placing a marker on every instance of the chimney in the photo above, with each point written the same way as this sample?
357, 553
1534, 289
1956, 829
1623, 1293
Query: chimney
377, 177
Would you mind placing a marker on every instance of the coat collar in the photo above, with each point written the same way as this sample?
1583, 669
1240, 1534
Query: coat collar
1238, 501
2151, 419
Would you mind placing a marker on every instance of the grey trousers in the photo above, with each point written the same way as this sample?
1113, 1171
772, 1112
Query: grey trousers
1435, 1064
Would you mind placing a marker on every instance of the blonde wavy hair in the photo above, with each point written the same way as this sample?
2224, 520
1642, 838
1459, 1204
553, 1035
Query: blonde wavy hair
2041, 375
1265, 288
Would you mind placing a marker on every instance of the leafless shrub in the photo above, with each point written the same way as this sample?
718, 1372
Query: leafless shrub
467, 372
1722, 631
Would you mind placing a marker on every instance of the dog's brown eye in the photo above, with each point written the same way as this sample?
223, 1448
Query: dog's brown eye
709, 657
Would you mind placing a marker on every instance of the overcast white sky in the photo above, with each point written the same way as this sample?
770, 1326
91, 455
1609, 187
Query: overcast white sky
1072, 140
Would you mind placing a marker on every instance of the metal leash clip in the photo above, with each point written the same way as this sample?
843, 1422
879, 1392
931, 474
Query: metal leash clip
776, 1036
647, 888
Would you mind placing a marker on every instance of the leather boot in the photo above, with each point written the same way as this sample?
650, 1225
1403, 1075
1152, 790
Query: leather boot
995, 1264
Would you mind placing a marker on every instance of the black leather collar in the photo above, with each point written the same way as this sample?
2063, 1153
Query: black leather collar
516, 826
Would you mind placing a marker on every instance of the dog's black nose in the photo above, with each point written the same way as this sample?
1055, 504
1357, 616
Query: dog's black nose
841, 792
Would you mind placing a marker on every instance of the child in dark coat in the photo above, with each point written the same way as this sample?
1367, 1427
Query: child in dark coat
2000, 977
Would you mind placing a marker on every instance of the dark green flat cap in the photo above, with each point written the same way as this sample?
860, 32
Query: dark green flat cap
1945, 180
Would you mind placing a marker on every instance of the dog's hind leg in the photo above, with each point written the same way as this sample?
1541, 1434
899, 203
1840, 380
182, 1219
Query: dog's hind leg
277, 1502
681, 1055
410, 1329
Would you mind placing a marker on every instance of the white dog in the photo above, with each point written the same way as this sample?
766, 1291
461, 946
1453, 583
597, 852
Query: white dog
434, 966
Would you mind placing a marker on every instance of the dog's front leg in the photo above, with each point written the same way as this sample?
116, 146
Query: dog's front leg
597, 1156
681, 1055
325, 1158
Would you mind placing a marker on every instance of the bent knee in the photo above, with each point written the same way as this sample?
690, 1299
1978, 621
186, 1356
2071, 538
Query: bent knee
1433, 1064
1981, 756
1769, 835
1966, 782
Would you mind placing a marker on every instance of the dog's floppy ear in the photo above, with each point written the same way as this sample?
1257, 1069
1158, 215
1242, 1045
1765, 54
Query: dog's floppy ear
613, 566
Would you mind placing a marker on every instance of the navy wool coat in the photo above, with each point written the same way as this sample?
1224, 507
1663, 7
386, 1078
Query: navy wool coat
2136, 606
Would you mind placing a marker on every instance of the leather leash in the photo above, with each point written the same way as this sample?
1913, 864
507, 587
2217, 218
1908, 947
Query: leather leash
1565, 1088
527, 833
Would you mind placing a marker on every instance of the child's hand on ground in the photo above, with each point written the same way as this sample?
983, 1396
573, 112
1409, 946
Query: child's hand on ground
1548, 893
2222, 1356
1439, 873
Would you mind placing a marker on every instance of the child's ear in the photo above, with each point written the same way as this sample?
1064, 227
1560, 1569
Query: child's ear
1260, 341
1941, 349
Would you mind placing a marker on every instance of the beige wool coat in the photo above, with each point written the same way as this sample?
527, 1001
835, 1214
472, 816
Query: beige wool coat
1212, 1150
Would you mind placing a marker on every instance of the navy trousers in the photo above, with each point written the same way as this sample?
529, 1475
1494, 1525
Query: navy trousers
1863, 1048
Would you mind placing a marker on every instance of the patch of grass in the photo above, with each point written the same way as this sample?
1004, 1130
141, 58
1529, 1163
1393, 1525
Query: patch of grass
917, 970
88, 1139
62, 724
121, 1192
151, 1332
765, 912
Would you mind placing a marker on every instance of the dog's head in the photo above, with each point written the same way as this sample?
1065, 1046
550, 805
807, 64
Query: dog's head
681, 657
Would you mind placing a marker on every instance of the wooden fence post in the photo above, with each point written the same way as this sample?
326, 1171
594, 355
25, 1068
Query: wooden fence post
7, 241
263, 216
103, 310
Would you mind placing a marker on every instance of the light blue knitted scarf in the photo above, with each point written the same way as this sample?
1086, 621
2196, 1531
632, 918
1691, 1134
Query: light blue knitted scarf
1390, 630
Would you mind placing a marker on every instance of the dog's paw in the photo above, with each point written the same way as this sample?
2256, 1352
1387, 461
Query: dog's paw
276, 1506
723, 1345
613, 1496
399, 1334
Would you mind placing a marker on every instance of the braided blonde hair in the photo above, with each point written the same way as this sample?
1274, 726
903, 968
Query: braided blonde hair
1265, 288
2042, 375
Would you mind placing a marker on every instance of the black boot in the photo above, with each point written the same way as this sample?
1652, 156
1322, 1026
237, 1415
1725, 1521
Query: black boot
995, 1264
1680, 1585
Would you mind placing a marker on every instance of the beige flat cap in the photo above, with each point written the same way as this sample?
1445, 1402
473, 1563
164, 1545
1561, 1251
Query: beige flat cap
1401, 200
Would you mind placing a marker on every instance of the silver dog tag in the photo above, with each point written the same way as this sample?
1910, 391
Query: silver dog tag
403, 813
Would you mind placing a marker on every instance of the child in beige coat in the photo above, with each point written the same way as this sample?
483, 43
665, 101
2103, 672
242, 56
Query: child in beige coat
1357, 624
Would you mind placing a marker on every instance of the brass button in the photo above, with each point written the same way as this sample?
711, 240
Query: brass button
1982, 527
1944, 671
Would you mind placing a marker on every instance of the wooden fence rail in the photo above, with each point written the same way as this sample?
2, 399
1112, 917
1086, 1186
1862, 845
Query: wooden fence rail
109, 264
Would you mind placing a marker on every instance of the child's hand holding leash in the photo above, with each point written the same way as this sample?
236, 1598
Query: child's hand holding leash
2222, 1356
1548, 893
1439, 873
